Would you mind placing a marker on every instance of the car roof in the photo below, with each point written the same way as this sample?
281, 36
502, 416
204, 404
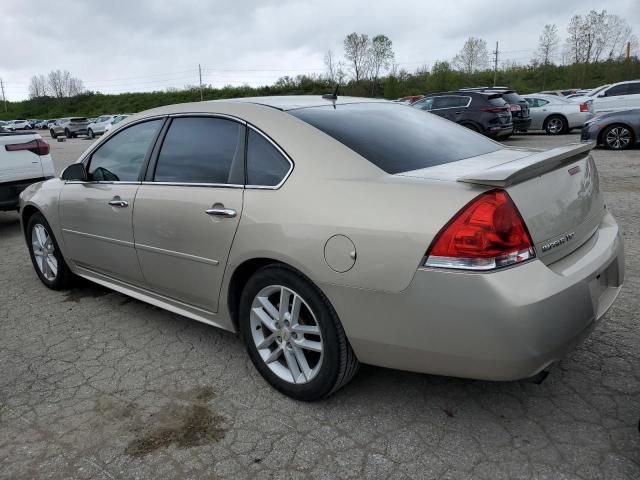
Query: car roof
292, 102
466, 93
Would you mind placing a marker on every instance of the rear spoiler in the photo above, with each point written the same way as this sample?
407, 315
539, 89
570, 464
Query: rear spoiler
528, 167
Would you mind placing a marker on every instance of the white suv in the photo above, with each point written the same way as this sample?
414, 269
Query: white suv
24, 159
618, 96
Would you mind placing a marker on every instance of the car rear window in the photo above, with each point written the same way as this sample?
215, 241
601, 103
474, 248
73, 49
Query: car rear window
497, 101
79, 119
512, 97
395, 137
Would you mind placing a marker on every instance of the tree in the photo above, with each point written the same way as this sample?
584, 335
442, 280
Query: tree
547, 49
356, 51
335, 73
380, 56
38, 86
473, 56
61, 84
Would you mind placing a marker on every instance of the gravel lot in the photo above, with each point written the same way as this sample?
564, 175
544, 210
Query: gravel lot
96, 385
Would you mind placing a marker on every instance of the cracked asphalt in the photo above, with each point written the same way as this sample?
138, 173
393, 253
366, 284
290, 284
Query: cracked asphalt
95, 385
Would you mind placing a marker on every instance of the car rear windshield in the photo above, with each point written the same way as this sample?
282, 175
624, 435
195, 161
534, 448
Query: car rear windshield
79, 119
512, 97
395, 137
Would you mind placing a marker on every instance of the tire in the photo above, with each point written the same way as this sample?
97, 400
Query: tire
617, 137
48, 263
90, 134
67, 133
555, 125
471, 127
328, 366
53, 133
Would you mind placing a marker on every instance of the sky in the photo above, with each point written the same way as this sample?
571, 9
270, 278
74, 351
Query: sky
143, 45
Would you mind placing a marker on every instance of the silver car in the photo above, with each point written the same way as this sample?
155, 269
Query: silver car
69, 127
330, 232
557, 115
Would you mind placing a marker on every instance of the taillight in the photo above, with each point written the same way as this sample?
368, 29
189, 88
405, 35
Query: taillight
39, 147
493, 109
584, 107
514, 107
486, 234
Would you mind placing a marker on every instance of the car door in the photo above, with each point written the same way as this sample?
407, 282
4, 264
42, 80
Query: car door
538, 111
188, 209
611, 99
96, 215
633, 95
446, 107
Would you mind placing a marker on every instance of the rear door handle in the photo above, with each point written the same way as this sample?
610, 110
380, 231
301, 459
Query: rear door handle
119, 203
221, 212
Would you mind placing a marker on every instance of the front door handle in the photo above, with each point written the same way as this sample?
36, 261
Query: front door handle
221, 212
119, 203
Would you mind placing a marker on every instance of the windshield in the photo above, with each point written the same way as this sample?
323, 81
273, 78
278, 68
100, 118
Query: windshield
395, 137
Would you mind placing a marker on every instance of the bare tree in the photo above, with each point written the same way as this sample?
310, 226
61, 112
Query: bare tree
380, 55
332, 66
473, 56
356, 51
37, 86
61, 84
597, 36
547, 49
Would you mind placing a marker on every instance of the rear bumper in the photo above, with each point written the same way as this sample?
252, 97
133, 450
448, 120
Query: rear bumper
499, 131
506, 325
521, 123
10, 192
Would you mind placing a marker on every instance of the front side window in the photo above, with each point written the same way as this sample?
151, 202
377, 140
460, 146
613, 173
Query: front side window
449, 102
617, 90
265, 164
120, 158
425, 104
202, 150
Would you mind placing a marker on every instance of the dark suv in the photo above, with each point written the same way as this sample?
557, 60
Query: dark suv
518, 105
484, 112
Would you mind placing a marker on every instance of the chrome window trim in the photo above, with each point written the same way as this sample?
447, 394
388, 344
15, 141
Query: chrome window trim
280, 150
98, 182
186, 184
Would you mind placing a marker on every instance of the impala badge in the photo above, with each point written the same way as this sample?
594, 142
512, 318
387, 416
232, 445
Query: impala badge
560, 241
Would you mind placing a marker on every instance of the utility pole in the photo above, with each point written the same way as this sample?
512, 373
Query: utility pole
495, 65
200, 74
628, 50
4, 99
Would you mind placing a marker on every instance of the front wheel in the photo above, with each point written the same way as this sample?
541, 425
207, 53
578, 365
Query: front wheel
617, 137
67, 133
293, 335
45, 254
91, 134
53, 133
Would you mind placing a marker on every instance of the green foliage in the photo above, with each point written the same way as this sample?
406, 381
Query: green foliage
525, 79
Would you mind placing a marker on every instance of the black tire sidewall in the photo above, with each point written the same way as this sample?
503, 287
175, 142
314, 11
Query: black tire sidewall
326, 378
62, 278
555, 117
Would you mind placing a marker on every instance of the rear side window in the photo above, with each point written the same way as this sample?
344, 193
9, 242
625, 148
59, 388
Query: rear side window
202, 150
265, 164
633, 88
450, 102
120, 158
394, 137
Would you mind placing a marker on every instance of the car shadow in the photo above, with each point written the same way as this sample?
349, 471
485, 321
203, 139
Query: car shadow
9, 224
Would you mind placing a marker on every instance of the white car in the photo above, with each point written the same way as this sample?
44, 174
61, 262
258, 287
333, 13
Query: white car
99, 125
116, 120
556, 114
18, 125
614, 97
24, 159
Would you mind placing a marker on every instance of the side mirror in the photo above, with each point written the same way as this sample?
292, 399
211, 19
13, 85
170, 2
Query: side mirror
603, 94
75, 173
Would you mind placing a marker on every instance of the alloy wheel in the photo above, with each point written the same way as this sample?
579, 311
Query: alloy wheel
618, 138
286, 334
44, 252
555, 126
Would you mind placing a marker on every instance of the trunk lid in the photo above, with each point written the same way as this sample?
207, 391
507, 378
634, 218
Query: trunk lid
557, 192
21, 164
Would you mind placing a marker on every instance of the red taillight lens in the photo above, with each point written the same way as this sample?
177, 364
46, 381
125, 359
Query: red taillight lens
584, 107
493, 109
39, 147
488, 233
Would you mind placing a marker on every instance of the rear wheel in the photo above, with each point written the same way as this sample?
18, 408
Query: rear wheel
471, 126
53, 133
617, 137
293, 335
555, 125
67, 133
45, 254
91, 134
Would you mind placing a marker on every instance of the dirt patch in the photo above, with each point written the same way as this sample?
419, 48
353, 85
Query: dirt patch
184, 426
